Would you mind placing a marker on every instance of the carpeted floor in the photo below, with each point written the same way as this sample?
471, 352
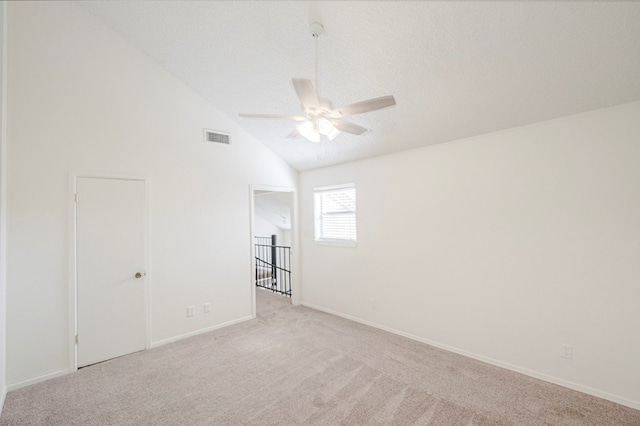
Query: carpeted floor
294, 365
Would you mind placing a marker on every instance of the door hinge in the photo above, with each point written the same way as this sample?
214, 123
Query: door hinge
76, 339
77, 196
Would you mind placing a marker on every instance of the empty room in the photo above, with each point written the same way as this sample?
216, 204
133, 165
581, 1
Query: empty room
323, 212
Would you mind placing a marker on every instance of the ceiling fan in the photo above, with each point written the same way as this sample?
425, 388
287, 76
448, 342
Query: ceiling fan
318, 115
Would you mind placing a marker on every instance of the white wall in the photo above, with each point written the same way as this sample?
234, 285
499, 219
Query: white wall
503, 246
3, 207
264, 228
82, 99
273, 213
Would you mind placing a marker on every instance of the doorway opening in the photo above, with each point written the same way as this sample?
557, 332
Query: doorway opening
273, 254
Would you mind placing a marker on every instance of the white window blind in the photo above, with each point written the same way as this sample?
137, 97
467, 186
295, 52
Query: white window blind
336, 213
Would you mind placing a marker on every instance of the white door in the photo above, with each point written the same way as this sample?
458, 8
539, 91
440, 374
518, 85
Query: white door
110, 266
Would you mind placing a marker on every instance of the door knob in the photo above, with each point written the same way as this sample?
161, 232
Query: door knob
139, 274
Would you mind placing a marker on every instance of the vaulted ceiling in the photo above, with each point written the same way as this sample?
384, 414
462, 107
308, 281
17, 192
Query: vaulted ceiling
456, 69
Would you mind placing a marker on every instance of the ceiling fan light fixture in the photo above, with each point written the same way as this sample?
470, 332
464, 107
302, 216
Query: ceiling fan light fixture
303, 129
324, 126
333, 133
308, 130
314, 137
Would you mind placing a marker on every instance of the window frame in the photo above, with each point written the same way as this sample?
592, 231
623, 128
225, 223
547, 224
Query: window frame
318, 216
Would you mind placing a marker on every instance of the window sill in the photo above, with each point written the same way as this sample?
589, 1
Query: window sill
341, 243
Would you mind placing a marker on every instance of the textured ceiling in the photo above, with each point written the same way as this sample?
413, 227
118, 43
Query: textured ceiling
456, 69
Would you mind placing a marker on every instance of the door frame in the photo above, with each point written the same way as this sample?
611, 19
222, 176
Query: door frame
295, 242
73, 267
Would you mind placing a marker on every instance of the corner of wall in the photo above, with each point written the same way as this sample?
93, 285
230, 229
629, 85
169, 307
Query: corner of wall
3, 396
3, 201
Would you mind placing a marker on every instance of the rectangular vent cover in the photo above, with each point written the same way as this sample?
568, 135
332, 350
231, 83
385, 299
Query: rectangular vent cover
216, 137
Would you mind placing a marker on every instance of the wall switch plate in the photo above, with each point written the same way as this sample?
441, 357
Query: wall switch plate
373, 303
207, 308
567, 352
190, 311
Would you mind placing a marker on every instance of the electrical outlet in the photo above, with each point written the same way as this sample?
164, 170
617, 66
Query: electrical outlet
207, 308
190, 311
567, 352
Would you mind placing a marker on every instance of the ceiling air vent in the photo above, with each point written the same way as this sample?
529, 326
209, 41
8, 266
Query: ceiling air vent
216, 137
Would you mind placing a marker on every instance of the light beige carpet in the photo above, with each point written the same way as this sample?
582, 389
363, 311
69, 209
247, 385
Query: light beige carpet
294, 365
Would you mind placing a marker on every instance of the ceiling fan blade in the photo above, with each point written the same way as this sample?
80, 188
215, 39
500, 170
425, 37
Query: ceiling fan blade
306, 92
347, 127
364, 106
293, 134
274, 116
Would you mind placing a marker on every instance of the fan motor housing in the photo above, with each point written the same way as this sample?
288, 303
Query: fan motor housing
323, 108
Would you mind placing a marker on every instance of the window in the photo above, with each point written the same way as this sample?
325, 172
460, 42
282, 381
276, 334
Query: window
335, 211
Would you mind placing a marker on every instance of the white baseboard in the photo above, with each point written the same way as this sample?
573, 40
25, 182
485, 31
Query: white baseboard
37, 379
59, 373
535, 374
200, 331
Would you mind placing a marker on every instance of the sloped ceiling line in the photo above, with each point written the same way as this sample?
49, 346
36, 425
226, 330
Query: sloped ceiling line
456, 69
